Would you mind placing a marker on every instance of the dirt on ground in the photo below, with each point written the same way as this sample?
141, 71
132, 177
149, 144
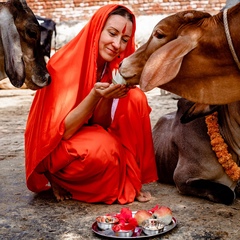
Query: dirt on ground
26, 215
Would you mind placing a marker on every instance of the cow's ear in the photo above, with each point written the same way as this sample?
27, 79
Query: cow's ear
13, 63
164, 64
196, 111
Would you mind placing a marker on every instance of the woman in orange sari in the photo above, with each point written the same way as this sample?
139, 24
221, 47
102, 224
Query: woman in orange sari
91, 139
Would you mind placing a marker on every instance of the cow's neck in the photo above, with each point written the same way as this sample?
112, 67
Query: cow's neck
230, 125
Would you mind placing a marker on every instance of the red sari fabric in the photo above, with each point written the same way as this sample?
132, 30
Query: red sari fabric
94, 165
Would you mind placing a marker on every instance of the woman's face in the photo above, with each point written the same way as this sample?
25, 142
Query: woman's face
114, 37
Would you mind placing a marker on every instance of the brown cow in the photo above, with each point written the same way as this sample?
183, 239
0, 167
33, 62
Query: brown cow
21, 56
188, 53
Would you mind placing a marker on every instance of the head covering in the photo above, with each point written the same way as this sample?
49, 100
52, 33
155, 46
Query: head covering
73, 71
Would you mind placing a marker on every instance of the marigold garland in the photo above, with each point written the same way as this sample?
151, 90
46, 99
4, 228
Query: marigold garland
221, 148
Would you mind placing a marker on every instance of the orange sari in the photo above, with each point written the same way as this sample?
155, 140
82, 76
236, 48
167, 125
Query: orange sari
94, 165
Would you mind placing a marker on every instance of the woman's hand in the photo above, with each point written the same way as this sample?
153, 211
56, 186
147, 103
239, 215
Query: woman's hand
107, 90
97, 103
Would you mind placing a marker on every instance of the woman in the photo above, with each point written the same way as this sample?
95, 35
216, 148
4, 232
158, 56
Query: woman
89, 138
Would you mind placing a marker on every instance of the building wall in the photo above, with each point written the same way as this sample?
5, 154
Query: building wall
77, 10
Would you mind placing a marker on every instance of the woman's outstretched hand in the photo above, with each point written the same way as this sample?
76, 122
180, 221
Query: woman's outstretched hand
108, 90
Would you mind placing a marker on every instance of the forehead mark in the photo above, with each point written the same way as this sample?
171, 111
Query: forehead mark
124, 29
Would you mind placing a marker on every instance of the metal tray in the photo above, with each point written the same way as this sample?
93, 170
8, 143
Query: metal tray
138, 233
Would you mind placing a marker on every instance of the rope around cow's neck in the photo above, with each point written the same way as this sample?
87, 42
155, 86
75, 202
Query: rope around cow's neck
230, 44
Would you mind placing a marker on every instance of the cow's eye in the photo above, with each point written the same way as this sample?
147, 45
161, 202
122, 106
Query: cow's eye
32, 34
157, 34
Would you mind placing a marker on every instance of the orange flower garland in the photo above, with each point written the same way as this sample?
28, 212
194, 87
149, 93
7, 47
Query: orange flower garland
220, 147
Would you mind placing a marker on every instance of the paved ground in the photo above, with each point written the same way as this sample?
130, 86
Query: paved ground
25, 215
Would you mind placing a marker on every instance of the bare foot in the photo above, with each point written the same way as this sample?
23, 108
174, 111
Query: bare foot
144, 196
60, 193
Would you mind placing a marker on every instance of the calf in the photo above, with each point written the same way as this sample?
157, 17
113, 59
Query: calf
21, 56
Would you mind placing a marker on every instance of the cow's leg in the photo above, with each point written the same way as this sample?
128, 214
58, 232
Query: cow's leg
166, 152
212, 191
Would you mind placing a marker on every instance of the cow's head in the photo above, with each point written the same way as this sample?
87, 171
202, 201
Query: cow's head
188, 54
21, 54
165, 32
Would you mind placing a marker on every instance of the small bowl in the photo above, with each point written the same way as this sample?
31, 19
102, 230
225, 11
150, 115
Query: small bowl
118, 79
124, 233
152, 226
106, 222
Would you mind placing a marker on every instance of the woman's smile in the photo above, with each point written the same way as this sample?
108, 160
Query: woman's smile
114, 37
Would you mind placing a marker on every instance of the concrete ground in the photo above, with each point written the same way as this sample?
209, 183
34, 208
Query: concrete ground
30, 216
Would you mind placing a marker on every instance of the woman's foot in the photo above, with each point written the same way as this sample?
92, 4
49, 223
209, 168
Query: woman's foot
144, 196
60, 193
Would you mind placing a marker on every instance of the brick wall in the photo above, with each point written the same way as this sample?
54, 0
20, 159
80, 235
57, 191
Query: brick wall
77, 10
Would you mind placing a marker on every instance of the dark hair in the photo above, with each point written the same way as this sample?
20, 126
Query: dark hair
122, 11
